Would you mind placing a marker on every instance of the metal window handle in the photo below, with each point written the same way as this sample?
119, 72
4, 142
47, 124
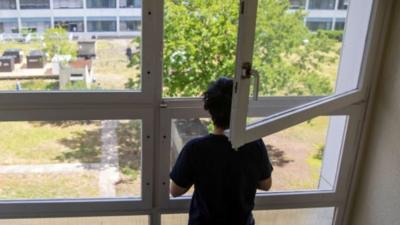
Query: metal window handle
248, 72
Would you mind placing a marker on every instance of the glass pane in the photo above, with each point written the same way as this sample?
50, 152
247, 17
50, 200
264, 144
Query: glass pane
311, 216
297, 52
182, 131
8, 4
321, 4
53, 49
68, 4
199, 44
34, 4
98, 220
297, 154
70, 159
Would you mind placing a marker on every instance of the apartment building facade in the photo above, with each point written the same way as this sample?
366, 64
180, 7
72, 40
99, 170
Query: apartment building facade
80, 17
323, 14
123, 17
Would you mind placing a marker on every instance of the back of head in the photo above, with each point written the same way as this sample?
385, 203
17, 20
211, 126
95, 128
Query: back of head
218, 101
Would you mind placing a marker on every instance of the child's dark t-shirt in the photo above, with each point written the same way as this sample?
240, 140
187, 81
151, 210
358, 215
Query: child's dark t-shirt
225, 180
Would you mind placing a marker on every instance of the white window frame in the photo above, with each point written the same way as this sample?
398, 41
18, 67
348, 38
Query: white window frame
349, 89
156, 120
97, 105
335, 197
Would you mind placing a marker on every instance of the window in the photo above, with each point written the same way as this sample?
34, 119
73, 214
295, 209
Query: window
315, 24
66, 4
129, 24
113, 108
71, 159
129, 4
102, 24
34, 4
70, 24
297, 4
321, 4
343, 4
101, 3
36, 25
340, 23
8, 4
8, 25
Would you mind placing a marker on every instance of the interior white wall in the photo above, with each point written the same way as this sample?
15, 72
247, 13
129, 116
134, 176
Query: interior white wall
377, 199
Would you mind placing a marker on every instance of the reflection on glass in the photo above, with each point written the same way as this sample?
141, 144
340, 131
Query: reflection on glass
199, 44
311, 216
98, 220
70, 159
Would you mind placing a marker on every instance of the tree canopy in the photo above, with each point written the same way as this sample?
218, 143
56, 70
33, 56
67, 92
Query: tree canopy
57, 43
200, 39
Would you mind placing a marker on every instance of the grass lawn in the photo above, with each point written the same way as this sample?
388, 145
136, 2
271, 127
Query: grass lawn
25, 47
292, 153
35, 186
110, 65
41, 143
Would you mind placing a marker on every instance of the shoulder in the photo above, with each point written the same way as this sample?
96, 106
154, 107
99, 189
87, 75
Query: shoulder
257, 145
197, 142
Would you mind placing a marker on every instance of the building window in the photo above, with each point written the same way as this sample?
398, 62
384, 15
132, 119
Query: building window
321, 4
129, 24
102, 24
101, 4
340, 23
38, 25
297, 4
70, 24
343, 4
7, 4
315, 24
9, 25
130, 4
67, 4
34, 4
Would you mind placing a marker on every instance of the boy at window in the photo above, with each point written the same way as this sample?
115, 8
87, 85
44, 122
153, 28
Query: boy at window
225, 180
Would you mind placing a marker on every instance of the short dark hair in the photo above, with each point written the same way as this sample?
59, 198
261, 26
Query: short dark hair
218, 100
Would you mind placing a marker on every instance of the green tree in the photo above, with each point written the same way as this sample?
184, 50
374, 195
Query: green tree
200, 45
57, 43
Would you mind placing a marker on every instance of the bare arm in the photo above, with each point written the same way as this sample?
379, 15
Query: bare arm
176, 191
265, 185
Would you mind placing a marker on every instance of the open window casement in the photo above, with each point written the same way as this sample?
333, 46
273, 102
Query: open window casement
349, 88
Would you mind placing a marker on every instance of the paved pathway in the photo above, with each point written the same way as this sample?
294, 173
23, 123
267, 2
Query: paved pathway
109, 172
